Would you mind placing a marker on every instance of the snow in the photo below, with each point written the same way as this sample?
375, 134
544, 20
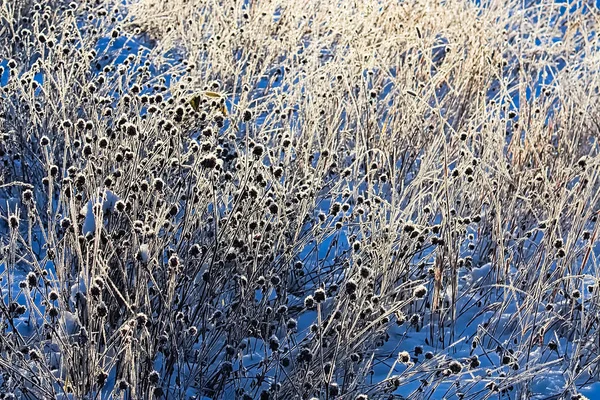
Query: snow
481, 274
107, 200
592, 391
144, 252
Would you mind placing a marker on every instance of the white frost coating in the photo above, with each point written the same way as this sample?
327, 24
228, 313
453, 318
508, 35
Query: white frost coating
108, 202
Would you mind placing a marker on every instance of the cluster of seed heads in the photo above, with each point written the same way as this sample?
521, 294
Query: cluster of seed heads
181, 195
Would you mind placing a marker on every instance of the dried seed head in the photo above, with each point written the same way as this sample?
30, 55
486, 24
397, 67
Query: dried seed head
27, 195
13, 222
101, 378
274, 343
403, 357
273, 208
282, 309
141, 320
415, 319
209, 161
32, 280
158, 184
153, 377
95, 290
258, 150
586, 235
320, 295
226, 367
131, 129
420, 291
101, 309
291, 324
275, 280
309, 302
351, 286
365, 272
65, 223
120, 206
455, 367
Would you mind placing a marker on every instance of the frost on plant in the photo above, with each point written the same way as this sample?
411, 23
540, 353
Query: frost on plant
298, 200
